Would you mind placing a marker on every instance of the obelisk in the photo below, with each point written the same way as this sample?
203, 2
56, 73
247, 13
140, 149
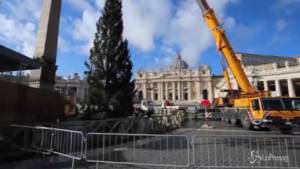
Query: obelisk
46, 45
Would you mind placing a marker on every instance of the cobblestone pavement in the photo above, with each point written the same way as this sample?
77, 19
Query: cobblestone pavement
223, 145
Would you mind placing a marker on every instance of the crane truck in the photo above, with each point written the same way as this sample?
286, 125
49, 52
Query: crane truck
230, 93
251, 108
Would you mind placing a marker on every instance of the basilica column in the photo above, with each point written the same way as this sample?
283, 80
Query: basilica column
173, 91
291, 88
189, 90
179, 90
152, 92
159, 84
145, 90
266, 87
166, 90
198, 91
209, 90
277, 87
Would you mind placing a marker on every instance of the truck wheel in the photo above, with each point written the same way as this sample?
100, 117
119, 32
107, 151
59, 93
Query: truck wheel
228, 121
245, 121
238, 122
233, 121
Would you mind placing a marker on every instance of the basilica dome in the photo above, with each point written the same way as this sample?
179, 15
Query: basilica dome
178, 63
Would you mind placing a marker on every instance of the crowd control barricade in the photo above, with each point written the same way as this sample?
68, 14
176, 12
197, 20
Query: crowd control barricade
46, 140
138, 149
68, 143
32, 138
240, 151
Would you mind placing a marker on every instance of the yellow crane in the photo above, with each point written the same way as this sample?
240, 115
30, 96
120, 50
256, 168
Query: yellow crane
225, 101
227, 79
252, 108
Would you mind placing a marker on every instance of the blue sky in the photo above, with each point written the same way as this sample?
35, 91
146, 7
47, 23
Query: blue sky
158, 29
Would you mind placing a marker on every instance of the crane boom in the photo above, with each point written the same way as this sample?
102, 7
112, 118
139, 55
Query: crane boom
227, 79
252, 108
225, 48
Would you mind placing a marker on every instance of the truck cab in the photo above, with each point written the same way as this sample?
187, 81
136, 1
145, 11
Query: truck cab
280, 111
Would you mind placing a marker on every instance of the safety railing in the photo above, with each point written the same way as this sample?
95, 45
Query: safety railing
138, 149
246, 151
67, 143
33, 139
46, 140
161, 150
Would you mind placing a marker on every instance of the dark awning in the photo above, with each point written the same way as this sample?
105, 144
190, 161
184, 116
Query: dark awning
11, 61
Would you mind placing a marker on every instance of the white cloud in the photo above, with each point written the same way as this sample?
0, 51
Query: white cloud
79, 5
287, 3
23, 40
18, 20
188, 31
144, 21
85, 27
280, 25
100, 4
63, 45
285, 6
24, 10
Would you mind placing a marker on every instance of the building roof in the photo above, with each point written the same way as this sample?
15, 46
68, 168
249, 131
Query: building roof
11, 60
179, 63
256, 59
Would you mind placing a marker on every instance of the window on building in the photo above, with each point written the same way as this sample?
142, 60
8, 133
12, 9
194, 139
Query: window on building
186, 96
140, 95
170, 97
284, 88
72, 91
271, 85
260, 85
155, 96
57, 89
176, 97
63, 90
204, 94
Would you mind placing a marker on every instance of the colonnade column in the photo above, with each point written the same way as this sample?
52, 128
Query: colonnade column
189, 90
277, 87
266, 87
152, 92
291, 88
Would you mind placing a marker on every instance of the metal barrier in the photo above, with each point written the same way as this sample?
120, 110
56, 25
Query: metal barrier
208, 151
138, 149
33, 139
67, 143
46, 140
241, 151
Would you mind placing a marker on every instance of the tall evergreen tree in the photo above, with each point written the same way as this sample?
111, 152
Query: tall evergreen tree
109, 66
